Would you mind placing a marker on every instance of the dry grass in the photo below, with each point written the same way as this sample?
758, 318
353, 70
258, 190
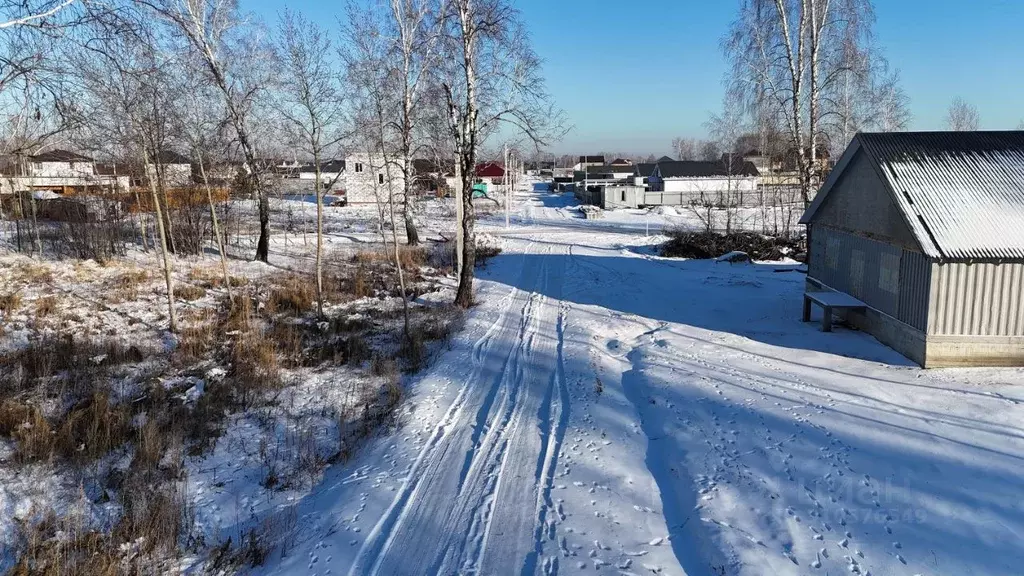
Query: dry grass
361, 285
148, 532
9, 303
288, 338
88, 431
213, 277
188, 292
65, 357
128, 283
198, 335
255, 367
31, 432
293, 294
412, 258
35, 273
45, 306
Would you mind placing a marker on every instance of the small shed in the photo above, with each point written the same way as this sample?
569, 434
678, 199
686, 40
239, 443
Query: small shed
927, 230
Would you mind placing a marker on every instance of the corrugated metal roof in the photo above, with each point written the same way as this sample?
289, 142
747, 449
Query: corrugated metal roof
706, 169
961, 193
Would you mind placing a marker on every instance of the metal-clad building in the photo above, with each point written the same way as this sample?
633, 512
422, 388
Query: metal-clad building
927, 229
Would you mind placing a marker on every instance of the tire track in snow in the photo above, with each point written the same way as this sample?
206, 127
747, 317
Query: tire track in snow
380, 538
427, 528
510, 536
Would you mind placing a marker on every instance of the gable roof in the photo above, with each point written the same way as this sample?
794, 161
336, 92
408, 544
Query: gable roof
609, 169
961, 193
171, 157
705, 169
59, 156
489, 170
665, 159
645, 169
591, 160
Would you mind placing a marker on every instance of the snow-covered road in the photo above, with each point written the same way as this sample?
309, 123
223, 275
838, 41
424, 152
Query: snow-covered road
613, 411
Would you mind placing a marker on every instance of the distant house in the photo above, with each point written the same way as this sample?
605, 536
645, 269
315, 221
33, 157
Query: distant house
176, 168
927, 230
367, 178
60, 164
680, 183
330, 171
642, 172
490, 171
588, 161
621, 162
57, 171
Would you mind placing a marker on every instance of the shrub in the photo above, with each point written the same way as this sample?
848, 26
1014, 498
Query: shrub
9, 303
45, 306
189, 292
702, 245
255, 365
295, 294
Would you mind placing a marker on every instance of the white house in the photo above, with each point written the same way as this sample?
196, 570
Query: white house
60, 164
588, 161
700, 182
330, 171
57, 171
177, 169
366, 178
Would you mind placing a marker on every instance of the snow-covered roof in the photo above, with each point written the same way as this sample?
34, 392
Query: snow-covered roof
961, 193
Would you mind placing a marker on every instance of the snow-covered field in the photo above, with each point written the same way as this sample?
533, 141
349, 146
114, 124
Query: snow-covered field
610, 410
604, 410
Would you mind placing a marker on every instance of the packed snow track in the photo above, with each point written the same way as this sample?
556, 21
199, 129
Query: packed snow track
608, 411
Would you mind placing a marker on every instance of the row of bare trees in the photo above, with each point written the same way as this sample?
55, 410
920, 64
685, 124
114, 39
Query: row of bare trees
133, 80
810, 71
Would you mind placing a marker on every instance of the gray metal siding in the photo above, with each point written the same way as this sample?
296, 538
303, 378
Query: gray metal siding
915, 281
984, 299
860, 203
888, 278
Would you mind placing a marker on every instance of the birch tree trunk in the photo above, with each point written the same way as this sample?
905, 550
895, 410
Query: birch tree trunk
168, 277
216, 229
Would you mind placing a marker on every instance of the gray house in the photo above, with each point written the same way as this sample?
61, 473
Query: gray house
927, 231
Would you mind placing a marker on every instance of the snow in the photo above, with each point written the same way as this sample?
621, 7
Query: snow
734, 257
608, 410
603, 410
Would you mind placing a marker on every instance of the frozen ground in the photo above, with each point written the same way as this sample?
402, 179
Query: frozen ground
609, 410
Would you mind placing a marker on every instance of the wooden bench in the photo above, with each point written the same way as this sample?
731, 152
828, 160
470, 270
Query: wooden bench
829, 301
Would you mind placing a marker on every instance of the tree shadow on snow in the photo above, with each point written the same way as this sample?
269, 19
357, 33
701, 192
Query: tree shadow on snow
759, 302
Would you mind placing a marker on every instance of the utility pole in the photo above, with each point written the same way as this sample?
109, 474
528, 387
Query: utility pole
459, 247
507, 179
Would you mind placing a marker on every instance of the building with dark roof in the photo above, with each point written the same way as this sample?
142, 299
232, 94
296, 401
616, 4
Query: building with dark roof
687, 183
926, 229
60, 156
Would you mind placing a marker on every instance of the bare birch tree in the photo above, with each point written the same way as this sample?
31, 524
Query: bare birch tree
200, 118
311, 104
495, 81
799, 59
365, 54
962, 116
233, 64
125, 77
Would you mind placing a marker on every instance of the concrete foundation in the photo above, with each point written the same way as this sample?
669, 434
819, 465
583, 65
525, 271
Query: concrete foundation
933, 351
979, 351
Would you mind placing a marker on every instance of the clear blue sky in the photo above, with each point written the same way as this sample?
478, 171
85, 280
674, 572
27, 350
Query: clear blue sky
631, 76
